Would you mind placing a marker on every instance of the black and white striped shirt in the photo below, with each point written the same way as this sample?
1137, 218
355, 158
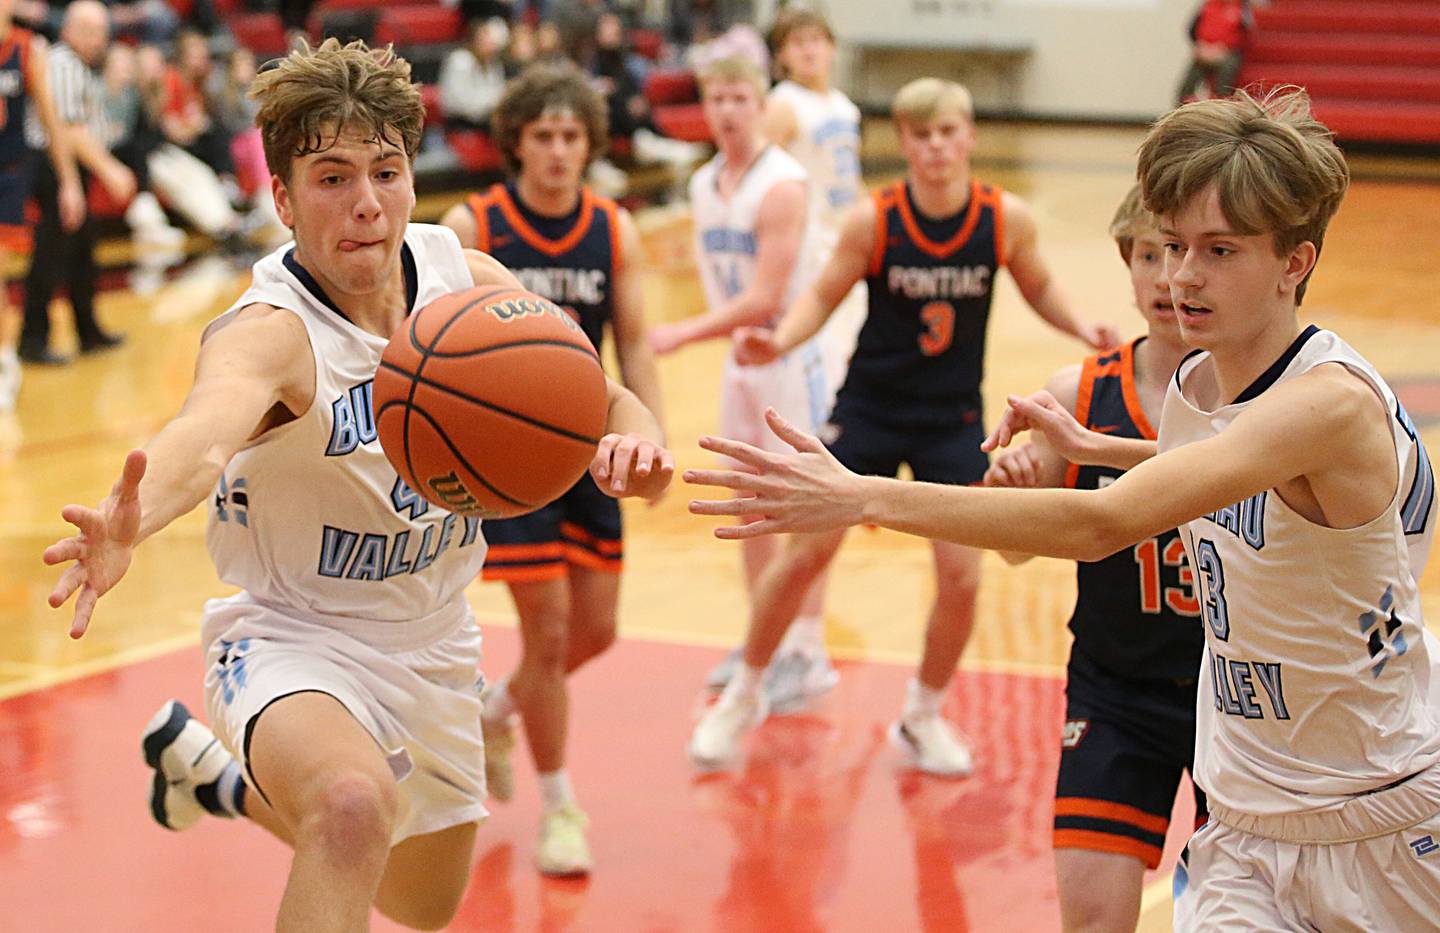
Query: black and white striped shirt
79, 96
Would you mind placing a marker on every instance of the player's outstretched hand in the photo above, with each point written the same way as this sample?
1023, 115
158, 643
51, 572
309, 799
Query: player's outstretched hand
666, 338
754, 346
630, 465
805, 491
1042, 412
102, 550
1018, 467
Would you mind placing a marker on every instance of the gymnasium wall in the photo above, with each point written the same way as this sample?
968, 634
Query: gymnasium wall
1105, 59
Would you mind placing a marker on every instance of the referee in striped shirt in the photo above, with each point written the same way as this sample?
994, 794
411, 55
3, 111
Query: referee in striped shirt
79, 96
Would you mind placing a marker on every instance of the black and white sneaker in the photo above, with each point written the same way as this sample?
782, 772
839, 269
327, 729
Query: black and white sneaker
188, 761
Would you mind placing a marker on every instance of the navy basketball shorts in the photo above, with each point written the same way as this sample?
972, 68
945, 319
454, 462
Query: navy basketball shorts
1126, 742
15, 235
580, 529
874, 446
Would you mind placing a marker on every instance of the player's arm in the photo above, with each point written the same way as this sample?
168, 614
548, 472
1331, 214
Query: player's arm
251, 370
1036, 465
779, 235
487, 270
812, 308
462, 220
627, 322
780, 125
1039, 288
631, 459
1044, 414
62, 154
1324, 426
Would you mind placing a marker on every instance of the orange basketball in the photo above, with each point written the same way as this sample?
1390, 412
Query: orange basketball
490, 402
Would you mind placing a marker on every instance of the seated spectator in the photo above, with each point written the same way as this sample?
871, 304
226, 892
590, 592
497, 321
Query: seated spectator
234, 112
133, 138
548, 49
521, 52
614, 73
1220, 32
187, 120
472, 77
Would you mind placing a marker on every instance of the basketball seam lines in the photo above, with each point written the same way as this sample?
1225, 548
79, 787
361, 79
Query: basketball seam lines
417, 379
563, 344
439, 431
424, 358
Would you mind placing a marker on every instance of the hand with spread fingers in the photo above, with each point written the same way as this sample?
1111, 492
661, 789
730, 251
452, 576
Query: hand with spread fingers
807, 491
631, 465
102, 550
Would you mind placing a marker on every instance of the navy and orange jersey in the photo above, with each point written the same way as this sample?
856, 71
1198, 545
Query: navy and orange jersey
1135, 612
14, 92
920, 356
570, 260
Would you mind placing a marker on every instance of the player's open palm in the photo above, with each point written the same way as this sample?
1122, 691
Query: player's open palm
102, 550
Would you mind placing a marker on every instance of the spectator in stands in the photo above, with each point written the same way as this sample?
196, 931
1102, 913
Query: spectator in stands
228, 92
548, 48
576, 22
138, 20
472, 10
614, 74
1220, 32
133, 138
187, 120
60, 255
521, 51
472, 77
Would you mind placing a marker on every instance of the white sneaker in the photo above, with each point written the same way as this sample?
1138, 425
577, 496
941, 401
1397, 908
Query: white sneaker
563, 851
797, 676
9, 378
716, 739
933, 745
185, 755
499, 738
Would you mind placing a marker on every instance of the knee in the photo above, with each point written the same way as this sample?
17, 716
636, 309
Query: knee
547, 644
351, 814
958, 582
590, 636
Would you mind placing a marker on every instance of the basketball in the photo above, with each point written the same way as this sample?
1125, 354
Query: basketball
490, 402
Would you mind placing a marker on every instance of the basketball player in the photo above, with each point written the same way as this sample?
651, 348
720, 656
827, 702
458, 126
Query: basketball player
1130, 711
929, 248
24, 79
562, 563
1306, 503
341, 679
754, 246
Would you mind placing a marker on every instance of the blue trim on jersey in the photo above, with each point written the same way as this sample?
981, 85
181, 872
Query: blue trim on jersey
1420, 500
407, 263
1272, 375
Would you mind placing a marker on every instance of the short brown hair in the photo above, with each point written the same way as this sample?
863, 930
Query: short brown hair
923, 99
1131, 221
1276, 168
796, 18
545, 87
310, 96
733, 68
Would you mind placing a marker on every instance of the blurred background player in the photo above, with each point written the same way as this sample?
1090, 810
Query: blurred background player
929, 248
1130, 686
754, 245
562, 563
24, 82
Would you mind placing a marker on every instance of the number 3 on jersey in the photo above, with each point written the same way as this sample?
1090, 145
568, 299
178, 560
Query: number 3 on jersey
1179, 599
939, 320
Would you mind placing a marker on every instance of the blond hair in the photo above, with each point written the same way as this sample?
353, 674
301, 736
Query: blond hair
1275, 167
923, 99
733, 68
792, 20
314, 94
544, 88
1131, 222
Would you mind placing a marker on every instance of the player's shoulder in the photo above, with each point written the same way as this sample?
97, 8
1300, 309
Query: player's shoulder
1064, 384
260, 324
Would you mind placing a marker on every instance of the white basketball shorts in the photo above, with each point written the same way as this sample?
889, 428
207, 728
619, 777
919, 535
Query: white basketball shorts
794, 385
411, 685
1389, 879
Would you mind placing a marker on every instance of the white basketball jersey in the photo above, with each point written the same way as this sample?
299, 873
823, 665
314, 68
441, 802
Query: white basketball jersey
827, 145
725, 227
311, 515
1317, 676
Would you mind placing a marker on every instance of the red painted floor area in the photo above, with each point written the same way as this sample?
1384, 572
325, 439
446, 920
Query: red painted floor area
820, 830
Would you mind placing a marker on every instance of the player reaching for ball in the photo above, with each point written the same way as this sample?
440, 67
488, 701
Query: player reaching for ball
341, 679
562, 563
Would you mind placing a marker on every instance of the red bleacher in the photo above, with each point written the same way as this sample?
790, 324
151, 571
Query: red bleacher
1372, 68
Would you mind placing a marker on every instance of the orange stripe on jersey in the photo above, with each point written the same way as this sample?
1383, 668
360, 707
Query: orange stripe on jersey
611, 210
1114, 812
580, 536
479, 205
539, 574
997, 204
884, 199
1105, 842
943, 250
590, 561
530, 235
1089, 370
1131, 393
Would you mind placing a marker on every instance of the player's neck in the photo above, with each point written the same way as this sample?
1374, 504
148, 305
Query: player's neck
938, 201
545, 200
378, 312
740, 154
820, 83
1157, 357
1239, 364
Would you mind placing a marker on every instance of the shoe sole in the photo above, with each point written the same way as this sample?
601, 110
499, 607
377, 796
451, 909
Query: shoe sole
907, 748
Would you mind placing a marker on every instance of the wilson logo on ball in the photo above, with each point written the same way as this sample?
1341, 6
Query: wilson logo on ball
516, 308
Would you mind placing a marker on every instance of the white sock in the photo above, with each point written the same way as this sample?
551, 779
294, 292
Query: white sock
746, 681
807, 633
921, 701
498, 704
555, 789
9, 357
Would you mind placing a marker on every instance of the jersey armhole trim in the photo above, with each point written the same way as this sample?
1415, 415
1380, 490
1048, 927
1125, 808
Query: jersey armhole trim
883, 200
997, 204
479, 205
1089, 370
1131, 392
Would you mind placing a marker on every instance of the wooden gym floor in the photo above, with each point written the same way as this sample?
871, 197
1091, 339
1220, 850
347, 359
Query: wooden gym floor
819, 830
